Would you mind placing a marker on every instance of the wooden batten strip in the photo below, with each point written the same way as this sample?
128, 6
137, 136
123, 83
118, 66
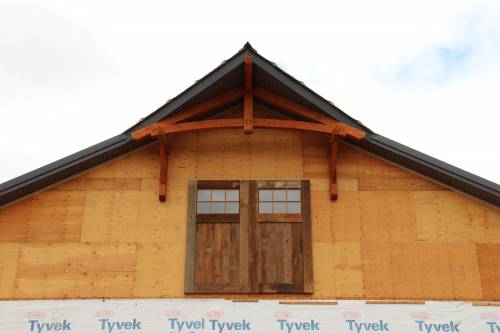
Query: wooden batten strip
308, 303
248, 97
485, 304
409, 302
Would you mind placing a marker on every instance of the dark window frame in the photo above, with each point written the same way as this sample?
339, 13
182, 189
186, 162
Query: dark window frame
250, 255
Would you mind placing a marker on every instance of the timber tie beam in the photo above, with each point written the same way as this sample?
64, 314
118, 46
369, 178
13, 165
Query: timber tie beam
185, 121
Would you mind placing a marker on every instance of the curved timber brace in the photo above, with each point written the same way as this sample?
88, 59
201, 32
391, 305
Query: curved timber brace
182, 122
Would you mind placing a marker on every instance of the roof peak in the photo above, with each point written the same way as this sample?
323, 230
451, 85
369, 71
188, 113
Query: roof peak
249, 46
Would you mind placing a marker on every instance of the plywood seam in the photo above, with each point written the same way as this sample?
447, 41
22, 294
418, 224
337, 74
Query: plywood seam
32, 194
421, 175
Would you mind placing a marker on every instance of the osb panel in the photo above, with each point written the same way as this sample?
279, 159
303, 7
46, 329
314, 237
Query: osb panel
449, 271
76, 257
447, 216
489, 267
158, 270
143, 163
83, 183
275, 156
390, 234
9, 253
14, 221
338, 221
377, 175
111, 217
56, 217
337, 270
74, 270
387, 217
60, 285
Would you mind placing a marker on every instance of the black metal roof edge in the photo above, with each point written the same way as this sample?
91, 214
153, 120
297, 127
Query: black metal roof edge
268, 66
307, 93
121, 142
434, 163
193, 90
65, 162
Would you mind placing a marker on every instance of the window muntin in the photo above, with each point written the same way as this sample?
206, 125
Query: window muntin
218, 201
279, 201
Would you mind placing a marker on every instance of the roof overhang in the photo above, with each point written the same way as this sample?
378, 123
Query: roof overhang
267, 75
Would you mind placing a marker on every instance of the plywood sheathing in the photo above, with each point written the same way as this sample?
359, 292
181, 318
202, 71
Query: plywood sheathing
390, 234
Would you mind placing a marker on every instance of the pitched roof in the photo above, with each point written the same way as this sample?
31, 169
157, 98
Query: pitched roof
230, 75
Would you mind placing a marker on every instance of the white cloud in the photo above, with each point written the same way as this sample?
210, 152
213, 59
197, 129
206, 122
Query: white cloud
73, 73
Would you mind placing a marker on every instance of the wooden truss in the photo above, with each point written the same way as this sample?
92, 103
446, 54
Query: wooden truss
312, 121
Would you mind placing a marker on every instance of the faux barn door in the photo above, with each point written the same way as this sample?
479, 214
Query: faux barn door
248, 237
280, 237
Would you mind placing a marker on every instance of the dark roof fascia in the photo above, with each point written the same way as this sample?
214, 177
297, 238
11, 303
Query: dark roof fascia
434, 163
120, 144
268, 66
306, 93
49, 170
200, 85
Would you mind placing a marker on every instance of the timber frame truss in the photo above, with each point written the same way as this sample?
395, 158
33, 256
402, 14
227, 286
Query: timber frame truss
182, 122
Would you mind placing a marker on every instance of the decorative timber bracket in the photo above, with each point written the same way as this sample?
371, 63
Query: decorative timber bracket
182, 122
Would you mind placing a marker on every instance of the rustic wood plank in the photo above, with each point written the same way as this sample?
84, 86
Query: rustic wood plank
284, 288
221, 218
279, 218
217, 257
307, 237
253, 238
263, 184
244, 215
218, 184
190, 238
297, 254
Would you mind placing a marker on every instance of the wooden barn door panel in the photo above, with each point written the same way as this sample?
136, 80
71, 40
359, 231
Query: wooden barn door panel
217, 257
281, 264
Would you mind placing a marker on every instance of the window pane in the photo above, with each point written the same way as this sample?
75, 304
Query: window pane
265, 195
202, 208
293, 195
279, 208
203, 195
265, 207
294, 208
218, 195
232, 208
217, 208
279, 195
232, 195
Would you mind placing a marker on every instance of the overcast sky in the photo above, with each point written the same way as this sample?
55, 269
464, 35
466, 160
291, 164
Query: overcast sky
423, 73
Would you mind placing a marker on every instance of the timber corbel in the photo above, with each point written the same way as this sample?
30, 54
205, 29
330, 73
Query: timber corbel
183, 122
162, 192
334, 142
